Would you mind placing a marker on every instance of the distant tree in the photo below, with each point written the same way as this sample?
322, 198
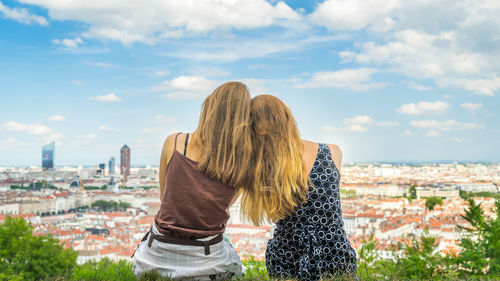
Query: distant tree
480, 256
16, 186
433, 201
110, 205
347, 193
93, 187
469, 194
464, 194
146, 187
413, 191
123, 205
27, 257
104, 269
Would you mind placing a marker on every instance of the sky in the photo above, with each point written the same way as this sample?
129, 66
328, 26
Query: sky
386, 80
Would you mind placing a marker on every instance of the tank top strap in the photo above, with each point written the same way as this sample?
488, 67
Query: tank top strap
175, 143
186, 144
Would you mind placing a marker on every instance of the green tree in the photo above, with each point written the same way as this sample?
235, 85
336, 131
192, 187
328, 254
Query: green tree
419, 259
413, 191
480, 254
110, 205
433, 201
28, 257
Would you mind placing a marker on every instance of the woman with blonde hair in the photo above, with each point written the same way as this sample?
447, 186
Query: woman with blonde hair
201, 175
296, 185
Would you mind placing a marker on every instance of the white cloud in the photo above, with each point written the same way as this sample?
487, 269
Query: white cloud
355, 14
387, 124
356, 124
470, 126
472, 107
485, 87
357, 128
13, 143
186, 87
351, 79
234, 49
417, 87
22, 15
106, 98
162, 72
32, 129
69, 43
107, 129
149, 21
191, 83
408, 133
360, 119
163, 119
100, 64
444, 125
78, 82
433, 124
437, 107
56, 118
150, 130
432, 133
444, 56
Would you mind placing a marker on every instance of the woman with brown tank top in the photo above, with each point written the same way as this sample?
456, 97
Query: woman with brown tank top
197, 187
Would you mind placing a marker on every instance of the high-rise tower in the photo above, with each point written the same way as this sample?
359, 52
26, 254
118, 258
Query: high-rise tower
125, 161
111, 164
48, 156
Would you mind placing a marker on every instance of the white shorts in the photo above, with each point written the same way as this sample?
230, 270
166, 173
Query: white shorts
190, 262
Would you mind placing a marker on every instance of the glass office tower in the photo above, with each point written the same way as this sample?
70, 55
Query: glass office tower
48, 156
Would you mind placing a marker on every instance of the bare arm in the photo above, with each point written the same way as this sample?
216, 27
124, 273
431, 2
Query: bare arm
166, 154
336, 154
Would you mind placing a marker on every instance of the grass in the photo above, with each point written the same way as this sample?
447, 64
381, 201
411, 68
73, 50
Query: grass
254, 271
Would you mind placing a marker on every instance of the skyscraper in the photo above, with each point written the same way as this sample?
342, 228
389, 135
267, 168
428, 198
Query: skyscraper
48, 156
111, 164
125, 161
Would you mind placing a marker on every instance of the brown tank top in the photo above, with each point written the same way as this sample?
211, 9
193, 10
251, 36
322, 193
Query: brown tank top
193, 205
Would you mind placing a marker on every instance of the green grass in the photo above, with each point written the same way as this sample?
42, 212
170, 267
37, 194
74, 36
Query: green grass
254, 271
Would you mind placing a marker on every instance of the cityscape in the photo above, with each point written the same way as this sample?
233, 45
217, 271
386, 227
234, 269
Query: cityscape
383, 201
407, 89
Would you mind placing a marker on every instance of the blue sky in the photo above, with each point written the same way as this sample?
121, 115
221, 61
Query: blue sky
385, 80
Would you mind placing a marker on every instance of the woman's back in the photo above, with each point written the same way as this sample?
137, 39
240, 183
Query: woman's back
193, 205
196, 190
312, 240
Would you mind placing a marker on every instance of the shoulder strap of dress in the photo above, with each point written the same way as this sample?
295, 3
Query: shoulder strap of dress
186, 144
175, 143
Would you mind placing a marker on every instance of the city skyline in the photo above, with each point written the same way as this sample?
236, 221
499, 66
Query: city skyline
397, 81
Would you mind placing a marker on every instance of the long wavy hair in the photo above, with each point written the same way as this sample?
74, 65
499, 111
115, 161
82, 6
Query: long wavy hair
280, 180
224, 135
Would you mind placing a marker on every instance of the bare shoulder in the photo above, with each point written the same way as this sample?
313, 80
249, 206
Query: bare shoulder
310, 148
336, 155
169, 145
335, 149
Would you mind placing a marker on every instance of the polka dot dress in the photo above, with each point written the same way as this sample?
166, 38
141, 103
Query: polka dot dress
312, 241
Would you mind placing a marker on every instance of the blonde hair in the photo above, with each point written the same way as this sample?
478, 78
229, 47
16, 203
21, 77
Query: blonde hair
223, 134
280, 180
